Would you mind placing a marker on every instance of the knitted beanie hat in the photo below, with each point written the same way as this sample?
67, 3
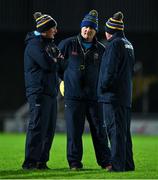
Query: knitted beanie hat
44, 22
91, 19
115, 23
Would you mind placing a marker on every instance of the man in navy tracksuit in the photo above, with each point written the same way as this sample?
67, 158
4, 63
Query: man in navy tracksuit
41, 90
83, 56
115, 92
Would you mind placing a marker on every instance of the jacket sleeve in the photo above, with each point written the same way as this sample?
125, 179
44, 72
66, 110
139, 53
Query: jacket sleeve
63, 47
60, 69
39, 56
111, 63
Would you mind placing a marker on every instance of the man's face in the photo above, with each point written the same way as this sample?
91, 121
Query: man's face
50, 33
88, 33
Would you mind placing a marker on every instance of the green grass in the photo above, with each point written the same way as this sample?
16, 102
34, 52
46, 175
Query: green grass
12, 154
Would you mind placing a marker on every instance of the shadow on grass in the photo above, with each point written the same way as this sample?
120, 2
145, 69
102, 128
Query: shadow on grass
53, 173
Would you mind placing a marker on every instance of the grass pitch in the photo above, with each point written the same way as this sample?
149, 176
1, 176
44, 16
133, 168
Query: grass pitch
12, 154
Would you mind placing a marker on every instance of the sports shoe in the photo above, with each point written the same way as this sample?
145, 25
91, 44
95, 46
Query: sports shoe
35, 166
29, 166
75, 168
108, 168
42, 166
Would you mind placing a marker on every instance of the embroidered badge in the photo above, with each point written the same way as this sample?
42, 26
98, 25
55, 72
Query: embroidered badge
74, 53
96, 56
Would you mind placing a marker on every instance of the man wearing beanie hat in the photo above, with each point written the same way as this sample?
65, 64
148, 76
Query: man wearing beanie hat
40, 69
115, 93
82, 57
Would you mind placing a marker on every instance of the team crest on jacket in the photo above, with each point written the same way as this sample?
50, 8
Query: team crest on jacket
74, 53
96, 56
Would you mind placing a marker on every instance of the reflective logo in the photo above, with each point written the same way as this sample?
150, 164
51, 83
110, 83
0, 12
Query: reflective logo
96, 56
74, 53
128, 46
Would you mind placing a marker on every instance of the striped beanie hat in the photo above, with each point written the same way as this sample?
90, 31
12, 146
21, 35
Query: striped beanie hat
115, 23
91, 19
44, 22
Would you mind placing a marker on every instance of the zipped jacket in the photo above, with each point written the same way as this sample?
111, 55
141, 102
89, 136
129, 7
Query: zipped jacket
116, 71
82, 68
40, 69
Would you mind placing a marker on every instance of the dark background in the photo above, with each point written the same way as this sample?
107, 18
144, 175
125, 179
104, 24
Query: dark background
141, 28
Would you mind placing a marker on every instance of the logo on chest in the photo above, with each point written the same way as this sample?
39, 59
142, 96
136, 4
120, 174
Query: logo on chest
96, 56
75, 53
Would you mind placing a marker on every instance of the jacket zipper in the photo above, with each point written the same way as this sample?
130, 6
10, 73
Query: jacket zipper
82, 66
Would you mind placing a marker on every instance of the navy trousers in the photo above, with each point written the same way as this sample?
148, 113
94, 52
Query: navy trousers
75, 114
117, 120
41, 128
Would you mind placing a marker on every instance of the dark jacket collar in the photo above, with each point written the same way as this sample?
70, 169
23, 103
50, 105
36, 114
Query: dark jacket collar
117, 34
81, 39
31, 37
47, 40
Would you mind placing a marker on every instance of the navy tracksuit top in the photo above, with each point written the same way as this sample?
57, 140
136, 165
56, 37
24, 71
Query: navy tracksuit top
115, 78
82, 68
39, 68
